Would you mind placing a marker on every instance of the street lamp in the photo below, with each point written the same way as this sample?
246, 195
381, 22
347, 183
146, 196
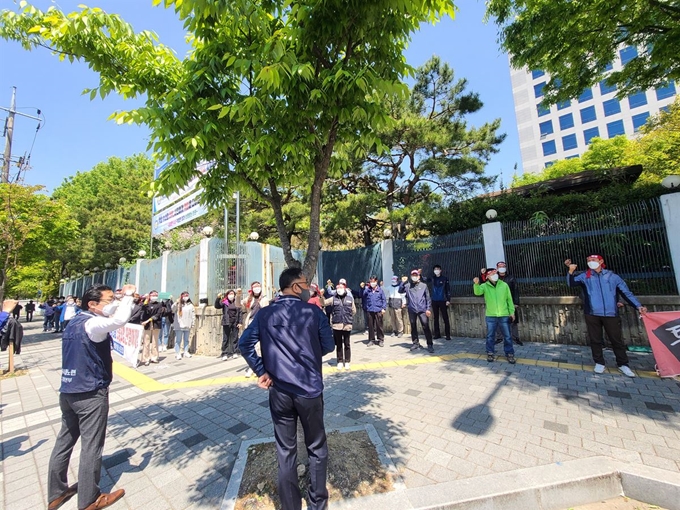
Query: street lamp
491, 214
141, 253
671, 182
122, 260
387, 233
107, 265
208, 231
96, 269
253, 236
86, 272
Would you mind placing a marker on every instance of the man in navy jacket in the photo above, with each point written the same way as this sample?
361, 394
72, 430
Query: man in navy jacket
599, 287
294, 336
419, 306
376, 304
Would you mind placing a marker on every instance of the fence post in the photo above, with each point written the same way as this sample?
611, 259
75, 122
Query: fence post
203, 271
493, 243
164, 271
387, 251
138, 271
670, 205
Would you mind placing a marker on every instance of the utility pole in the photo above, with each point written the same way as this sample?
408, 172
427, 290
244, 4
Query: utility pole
9, 132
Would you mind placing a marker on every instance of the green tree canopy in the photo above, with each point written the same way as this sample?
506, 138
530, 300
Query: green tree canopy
268, 91
113, 209
576, 41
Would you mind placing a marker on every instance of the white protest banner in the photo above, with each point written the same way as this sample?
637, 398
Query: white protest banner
178, 214
127, 342
161, 202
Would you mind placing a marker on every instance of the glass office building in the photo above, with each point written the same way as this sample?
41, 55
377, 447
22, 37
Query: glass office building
565, 129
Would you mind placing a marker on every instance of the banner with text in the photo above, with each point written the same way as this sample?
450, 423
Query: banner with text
127, 341
182, 212
663, 330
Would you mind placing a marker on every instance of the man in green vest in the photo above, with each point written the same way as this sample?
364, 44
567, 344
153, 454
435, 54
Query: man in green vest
500, 311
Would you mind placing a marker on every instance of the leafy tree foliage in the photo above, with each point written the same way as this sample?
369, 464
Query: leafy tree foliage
576, 41
32, 227
433, 156
268, 92
112, 208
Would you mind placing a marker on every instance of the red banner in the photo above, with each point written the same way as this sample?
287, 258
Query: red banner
663, 330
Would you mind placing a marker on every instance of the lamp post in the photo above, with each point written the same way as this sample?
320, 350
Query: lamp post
141, 253
208, 231
253, 236
491, 214
671, 182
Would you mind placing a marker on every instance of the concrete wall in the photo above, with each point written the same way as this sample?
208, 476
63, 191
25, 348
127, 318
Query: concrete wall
542, 319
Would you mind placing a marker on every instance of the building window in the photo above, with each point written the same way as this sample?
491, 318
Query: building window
538, 89
606, 89
549, 164
546, 128
639, 120
589, 134
567, 121
573, 157
609, 67
536, 73
569, 142
542, 111
549, 148
627, 54
664, 92
588, 115
637, 100
666, 109
586, 95
611, 107
563, 105
615, 129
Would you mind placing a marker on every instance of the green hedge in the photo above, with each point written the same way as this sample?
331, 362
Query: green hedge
511, 207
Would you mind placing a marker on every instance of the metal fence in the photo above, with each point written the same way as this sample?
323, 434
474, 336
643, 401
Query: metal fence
182, 272
460, 254
632, 239
355, 266
226, 270
150, 274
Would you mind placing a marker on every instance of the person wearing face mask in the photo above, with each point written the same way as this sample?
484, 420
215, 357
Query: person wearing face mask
376, 304
342, 317
254, 302
396, 304
68, 312
599, 287
152, 312
441, 297
87, 371
136, 316
294, 336
500, 310
231, 321
503, 274
419, 308
315, 298
185, 320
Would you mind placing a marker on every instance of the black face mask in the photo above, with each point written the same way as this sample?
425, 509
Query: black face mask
305, 295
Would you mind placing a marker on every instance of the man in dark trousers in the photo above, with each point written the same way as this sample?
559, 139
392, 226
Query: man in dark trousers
30, 308
87, 370
294, 336
441, 296
376, 304
600, 305
419, 306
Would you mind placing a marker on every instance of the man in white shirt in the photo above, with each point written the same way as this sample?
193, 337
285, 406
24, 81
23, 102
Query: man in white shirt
87, 370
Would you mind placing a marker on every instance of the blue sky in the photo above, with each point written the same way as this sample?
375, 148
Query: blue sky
77, 135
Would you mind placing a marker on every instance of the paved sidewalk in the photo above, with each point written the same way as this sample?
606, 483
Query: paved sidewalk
175, 428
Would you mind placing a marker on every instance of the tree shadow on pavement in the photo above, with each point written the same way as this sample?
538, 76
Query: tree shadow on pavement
12, 447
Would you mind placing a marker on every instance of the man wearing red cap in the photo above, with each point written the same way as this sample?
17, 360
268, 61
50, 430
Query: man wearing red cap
599, 287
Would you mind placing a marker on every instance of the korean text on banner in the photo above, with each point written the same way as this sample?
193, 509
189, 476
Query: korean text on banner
663, 330
127, 342
179, 214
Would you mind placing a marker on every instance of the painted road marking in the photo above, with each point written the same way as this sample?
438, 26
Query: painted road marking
147, 384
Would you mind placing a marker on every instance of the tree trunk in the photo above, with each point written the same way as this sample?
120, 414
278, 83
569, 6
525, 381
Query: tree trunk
3, 281
277, 206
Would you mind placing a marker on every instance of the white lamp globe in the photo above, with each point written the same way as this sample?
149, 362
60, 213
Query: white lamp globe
207, 231
671, 181
122, 260
96, 269
387, 233
141, 253
491, 214
86, 272
107, 265
253, 236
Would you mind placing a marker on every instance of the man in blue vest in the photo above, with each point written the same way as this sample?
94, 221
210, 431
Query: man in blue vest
294, 336
87, 370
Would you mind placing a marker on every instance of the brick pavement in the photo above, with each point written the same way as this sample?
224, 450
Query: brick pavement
443, 417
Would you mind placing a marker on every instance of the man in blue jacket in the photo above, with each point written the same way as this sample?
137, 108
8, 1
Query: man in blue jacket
441, 297
419, 306
599, 287
376, 304
294, 336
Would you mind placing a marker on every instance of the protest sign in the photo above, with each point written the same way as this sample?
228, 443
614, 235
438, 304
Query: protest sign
663, 330
127, 342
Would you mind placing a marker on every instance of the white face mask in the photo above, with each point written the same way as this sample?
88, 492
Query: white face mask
185, 298
341, 292
493, 278
110, 309
395, 282
257, 290
153, 299
437, 272
502, 270
592, 264
231, 297
415, 279
118, 296
374, 284
70, 302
